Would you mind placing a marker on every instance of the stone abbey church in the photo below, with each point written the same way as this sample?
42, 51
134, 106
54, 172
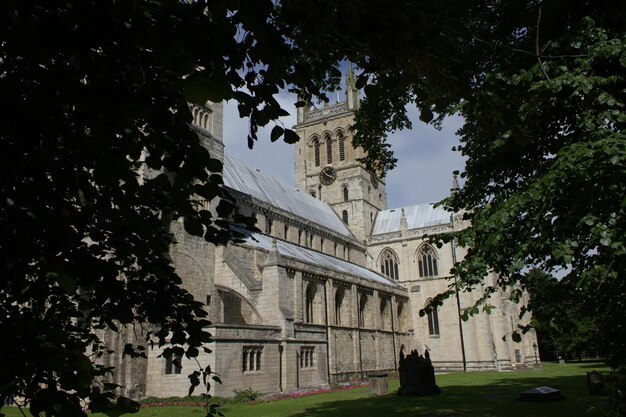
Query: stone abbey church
331, 287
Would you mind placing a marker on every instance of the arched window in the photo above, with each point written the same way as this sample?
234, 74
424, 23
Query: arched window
329, 149
362, 305
433, 321
316, 149
338, 303
308, 303
427, 261
385, 317
345, 193
342, 146
268, 225
344, 216
402, 317
389, 264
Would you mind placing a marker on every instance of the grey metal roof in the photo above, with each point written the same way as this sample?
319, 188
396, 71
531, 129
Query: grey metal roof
315, 258
248, 180
417, 216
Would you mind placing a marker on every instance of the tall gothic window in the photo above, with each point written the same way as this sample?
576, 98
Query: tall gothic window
433, 321
362, 305
342, 147
384, 313
329, 149
338, 302
427, 261
389, 264
316, 150
345, 193
344, 216
308, 303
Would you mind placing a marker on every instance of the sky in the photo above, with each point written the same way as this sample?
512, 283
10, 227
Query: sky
423, 173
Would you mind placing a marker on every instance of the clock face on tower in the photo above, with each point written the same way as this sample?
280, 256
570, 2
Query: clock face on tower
328, 175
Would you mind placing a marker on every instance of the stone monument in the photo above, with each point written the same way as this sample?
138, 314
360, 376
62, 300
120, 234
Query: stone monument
417, 375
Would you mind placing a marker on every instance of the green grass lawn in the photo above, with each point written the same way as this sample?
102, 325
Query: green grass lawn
484, 394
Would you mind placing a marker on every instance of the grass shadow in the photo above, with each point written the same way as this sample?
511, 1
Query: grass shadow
496, 399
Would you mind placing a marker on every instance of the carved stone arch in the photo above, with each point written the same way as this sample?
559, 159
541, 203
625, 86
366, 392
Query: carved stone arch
205, 120
328, 140
310, 294
345, 191
325, 135
312, 139
426, 245
341, 143
235, 308
314, 143
432, 318
339, 131
194, 113
389, 263
427, 259
193, 272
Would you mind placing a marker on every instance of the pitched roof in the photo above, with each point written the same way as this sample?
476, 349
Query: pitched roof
417, 216
248, 180
315, 258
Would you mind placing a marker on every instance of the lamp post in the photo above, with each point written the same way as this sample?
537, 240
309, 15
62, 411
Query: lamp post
535, 349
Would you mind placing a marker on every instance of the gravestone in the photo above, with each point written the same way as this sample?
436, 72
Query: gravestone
378, 384
541, 394
417, 375
595, 381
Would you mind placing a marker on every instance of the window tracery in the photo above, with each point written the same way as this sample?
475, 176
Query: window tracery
389, 264
427, 262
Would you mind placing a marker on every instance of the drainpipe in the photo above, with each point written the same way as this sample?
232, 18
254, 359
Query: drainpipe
327, 333
393, 336
458, 301
358, 327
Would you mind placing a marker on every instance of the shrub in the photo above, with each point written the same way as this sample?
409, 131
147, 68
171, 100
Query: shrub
246, 395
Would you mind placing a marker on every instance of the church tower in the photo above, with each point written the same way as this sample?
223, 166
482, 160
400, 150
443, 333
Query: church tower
327, 167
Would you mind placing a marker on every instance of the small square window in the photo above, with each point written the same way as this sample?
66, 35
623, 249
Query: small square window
307, 357
173, 364
251, 358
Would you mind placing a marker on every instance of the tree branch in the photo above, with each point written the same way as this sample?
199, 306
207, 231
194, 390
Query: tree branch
537, 48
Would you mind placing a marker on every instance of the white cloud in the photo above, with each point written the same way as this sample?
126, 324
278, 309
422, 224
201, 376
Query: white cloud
425, 158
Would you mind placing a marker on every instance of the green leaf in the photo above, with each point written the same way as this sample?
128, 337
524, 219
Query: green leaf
291, 137
203, 86
192, 352
426, 115
67, 282
193, 226
277, 132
